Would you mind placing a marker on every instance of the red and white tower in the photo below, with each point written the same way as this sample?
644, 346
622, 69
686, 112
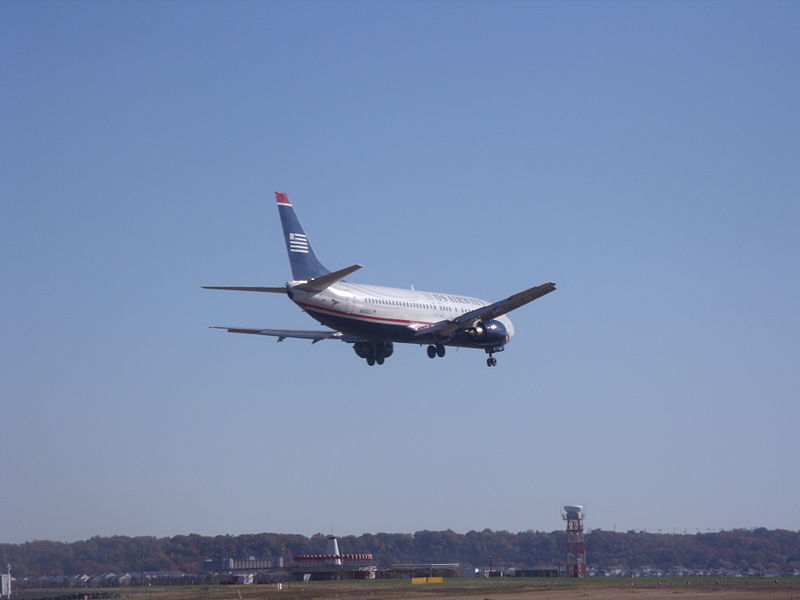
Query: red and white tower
576, 550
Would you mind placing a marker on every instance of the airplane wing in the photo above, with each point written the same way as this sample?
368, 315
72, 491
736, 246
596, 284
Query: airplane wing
282, 334
491, 311
242, 288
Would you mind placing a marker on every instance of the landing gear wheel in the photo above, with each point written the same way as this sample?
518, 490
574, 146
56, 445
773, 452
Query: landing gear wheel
491, 361
379, 360
370, 360
440, 350
431, 351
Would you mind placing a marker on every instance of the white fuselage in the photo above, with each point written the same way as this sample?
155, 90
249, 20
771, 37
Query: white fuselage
385, 312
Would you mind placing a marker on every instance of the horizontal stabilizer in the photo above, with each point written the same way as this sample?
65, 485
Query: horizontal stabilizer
241, 288
317, 284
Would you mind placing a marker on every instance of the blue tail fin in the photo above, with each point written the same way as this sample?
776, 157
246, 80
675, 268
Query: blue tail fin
301, 256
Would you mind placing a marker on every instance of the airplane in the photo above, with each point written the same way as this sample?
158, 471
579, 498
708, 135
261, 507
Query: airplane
373, 318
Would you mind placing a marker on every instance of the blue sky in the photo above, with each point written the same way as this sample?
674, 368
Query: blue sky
644, 156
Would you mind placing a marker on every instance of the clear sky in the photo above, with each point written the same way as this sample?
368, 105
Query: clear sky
645, 156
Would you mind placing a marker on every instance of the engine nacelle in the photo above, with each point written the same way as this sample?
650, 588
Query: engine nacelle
488, 332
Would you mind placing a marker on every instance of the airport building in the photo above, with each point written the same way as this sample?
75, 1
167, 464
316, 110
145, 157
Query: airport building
249, 565
332, 565
534, 572
413, 571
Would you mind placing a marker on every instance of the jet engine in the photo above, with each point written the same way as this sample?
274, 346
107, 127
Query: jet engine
488, 332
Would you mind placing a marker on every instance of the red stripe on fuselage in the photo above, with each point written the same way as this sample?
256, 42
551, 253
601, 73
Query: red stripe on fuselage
357, 316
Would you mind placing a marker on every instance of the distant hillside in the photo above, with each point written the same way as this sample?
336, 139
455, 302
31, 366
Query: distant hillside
736, 549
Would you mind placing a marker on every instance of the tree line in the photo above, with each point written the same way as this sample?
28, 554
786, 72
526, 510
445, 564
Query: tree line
761, 548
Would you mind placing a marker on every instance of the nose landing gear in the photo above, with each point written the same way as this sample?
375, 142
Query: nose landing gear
492, 361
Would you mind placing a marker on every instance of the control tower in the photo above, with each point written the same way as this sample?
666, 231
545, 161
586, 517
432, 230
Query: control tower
576, 549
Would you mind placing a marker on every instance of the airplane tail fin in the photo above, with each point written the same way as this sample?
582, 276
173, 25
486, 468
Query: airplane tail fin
302, 259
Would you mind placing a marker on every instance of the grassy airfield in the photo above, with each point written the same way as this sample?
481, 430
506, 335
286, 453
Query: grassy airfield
551, 588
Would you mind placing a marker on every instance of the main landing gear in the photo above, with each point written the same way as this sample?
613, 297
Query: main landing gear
374, 352
437, 350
